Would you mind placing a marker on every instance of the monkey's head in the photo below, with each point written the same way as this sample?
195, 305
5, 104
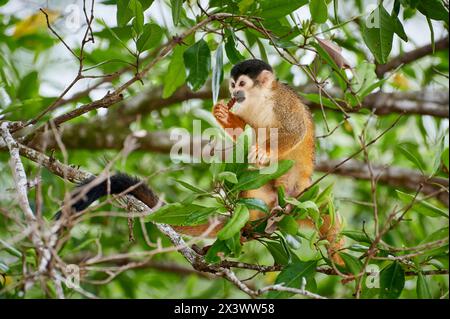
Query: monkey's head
249, 77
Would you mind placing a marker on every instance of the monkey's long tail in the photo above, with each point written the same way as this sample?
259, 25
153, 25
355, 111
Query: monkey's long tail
117, 183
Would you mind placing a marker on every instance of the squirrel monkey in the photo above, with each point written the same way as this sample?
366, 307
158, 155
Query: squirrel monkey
263, 103
266, 103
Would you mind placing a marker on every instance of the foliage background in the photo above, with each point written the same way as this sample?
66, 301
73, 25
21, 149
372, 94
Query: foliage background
36, 67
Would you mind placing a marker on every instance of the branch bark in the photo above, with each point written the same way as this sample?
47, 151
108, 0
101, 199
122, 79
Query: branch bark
393, 176
411, 56
434, 103
419, 103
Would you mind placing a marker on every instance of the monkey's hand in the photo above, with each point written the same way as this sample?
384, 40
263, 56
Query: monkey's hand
226, 118
259, 156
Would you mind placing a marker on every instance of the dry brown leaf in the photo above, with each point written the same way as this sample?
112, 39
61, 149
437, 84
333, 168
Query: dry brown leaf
335, 53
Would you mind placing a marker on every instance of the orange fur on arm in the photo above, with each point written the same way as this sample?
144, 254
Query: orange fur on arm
226, 118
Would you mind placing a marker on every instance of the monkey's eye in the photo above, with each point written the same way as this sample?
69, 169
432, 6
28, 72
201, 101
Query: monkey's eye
242, 83
233, 85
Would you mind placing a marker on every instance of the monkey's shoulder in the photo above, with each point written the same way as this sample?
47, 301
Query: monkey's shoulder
285, 96
287, 102
290, 111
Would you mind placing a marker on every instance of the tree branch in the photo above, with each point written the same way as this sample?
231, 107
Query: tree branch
411, 56
389, 175
422, 103
414, 103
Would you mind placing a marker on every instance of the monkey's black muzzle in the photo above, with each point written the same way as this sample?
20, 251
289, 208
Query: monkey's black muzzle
239, 96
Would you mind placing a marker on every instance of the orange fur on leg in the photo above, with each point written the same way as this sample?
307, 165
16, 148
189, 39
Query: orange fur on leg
330, 232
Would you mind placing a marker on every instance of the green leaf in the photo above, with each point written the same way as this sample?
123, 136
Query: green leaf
116, 36
146, 4
357, 235
421, 206
180, 214
244, 5
232, 53
234, 244
307, 205
138, 12
302, 208
127, 9
177, 6
235, 223
254, 203
399, 30
392, 281
413, 156
124, 12
353, 264
199, 215
252, 179
292, 276
281, 196
175, 75
422, 289
433, 9
324, 196
191, 187
228, 176
219, 246
318, 99
217, 76
29, 86
273, 9
197, 60
281, 255
319, 11
190, 198
435, 236
150, 37
238, 161
364, 76
365, 79
444, 157
262, 50
289, 225
378, 32
216, 167
310, 194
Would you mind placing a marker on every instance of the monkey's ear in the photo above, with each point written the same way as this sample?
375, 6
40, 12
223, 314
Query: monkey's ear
266, 78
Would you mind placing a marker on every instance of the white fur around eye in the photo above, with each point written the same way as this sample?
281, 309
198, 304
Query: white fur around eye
257, 108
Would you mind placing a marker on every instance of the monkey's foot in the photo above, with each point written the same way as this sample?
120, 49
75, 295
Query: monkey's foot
333, 251
336, 258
